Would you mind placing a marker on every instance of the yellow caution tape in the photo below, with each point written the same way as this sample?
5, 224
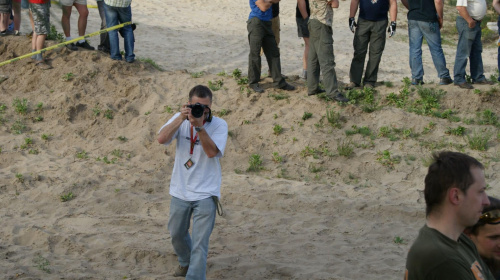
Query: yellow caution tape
67, 42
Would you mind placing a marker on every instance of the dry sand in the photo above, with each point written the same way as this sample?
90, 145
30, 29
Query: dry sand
315, 215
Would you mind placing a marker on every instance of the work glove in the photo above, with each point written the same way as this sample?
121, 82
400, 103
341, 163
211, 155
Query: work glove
352, 24
392, 29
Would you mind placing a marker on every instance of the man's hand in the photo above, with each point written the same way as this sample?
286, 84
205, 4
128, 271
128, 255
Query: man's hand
472, 24
352, 24
392, 29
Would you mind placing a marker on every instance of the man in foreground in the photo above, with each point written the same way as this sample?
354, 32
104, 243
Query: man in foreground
196, 179
454, 197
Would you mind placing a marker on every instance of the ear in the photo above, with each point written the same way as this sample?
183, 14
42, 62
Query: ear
455, 196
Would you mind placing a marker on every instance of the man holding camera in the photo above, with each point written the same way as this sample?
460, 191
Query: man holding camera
196, 179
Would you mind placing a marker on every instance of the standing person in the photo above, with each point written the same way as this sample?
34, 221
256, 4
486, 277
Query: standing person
425, 20
470, 14
40, 16
302, 12
454, 196
321, 57
5, 11
104, 43
496, 6
196, 179
370, 30
117, 12
260, 35
486, 236
83, 14
16, 10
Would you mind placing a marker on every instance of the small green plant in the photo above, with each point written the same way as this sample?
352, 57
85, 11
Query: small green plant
18, 127
54, 35
458, 131
38, 119
42, 263
224, 112
3, 107
33, 152
277, 129
20, 105
314, 169
277, 158
106, 160
306, 116
255, 163
39, 107
398, 240
479, 141
152, 63
108, 114
345, 148
96, 110
147, 113
67, 197
46, 137
122, 138
196, 74
68, 77
117, 153
222, 73
279, 96
82, 155
20, 177
387, 160
388, 84
334, 118
215, 85
236, 73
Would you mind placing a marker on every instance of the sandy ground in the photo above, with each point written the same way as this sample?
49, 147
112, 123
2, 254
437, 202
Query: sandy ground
310, 214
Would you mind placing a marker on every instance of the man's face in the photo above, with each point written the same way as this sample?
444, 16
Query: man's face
474, 200
487, 241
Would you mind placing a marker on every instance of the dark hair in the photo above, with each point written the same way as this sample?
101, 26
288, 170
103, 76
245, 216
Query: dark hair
448, 170
494, 205
201, 92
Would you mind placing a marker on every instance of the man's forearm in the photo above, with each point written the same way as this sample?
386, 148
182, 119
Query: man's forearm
165, 135
393, 10
208, 144
353, 8
302, 8
462, 11
439, 8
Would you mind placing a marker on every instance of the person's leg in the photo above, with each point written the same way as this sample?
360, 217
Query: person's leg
83, 14
326, 59
313, 69
104, 42
272, 53
475, 58
178, 226
303, 32
125, 15
203, 224
16, 8
360, 44
255, 36
415, 37
304, 56
275, 27
377, 46
432, 35
65, 20
112, 20
463, 50
498, 58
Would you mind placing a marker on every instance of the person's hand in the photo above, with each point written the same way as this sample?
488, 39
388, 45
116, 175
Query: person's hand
392, 29
472, 24
352, 24
185, 111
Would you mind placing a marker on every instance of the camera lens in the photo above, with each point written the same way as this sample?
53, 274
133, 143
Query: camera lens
197, 110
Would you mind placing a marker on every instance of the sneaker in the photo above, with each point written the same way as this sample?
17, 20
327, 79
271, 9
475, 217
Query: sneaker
465, 85
445, 81
16, 33
484, 82
351, 85
317, 91
71, 47
417, 82
181, 271
3, 33
257, 88
85, 45
337, 96
288, 87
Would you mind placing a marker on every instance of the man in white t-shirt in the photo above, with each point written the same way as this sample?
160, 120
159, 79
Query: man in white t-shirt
196, 179
470, 14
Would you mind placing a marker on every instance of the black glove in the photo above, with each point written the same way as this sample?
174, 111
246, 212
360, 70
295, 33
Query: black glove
352, 24
392, 29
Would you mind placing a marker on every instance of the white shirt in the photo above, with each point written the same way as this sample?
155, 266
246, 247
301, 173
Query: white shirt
204, 178
475, 8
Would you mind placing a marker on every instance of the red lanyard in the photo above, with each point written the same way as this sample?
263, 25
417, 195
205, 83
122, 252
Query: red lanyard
193, 139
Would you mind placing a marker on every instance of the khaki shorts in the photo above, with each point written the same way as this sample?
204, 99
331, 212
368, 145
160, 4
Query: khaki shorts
71, 2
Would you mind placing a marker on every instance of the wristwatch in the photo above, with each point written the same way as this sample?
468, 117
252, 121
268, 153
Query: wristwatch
198, 128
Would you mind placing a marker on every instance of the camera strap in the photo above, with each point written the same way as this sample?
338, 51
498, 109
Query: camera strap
193, 139
218, 205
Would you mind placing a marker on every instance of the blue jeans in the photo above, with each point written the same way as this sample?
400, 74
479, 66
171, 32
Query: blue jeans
115, 16
498, 58
417, 30
192, 250
469, 46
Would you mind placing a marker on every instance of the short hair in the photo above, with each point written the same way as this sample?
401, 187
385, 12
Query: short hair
448, 170
201, 92
494, 205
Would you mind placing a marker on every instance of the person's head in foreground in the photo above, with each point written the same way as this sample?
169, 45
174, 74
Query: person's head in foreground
486, 235
455, 188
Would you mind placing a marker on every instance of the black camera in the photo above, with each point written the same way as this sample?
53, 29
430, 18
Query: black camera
197, 109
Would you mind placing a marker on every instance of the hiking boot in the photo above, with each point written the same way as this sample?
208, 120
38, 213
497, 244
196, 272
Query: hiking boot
71, 47
445, 81
181, 271
257, 88
484, 82
337, 96
416, 82
465, 85
85, 45
288, 87
316, 91
351, 85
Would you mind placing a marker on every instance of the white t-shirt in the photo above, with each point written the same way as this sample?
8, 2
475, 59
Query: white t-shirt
475, 8
204, 178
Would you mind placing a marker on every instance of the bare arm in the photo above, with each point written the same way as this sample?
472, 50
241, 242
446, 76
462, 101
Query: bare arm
462, 11
354, 8
496, 6
439, 9
208, 144
302, 8
165, 135
405, 3
393, 9
264, 5
334, 3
